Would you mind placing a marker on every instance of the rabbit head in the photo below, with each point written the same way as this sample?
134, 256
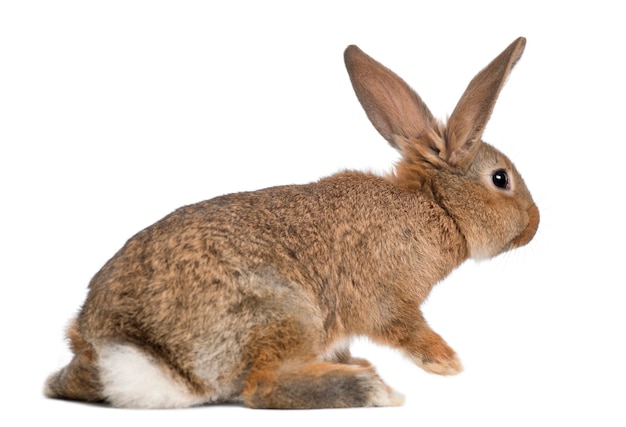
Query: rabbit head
474, 182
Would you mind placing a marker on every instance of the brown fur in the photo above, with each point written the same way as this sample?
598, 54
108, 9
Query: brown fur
254, 295
79, 380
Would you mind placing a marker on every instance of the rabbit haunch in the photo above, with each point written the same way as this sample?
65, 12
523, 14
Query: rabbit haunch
255, 296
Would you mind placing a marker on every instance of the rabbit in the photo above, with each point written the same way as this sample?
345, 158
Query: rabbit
254, 297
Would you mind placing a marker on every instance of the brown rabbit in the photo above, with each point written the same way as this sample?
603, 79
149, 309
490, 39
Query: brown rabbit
255, 296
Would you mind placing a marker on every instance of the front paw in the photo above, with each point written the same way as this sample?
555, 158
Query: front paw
438, 359
444, 365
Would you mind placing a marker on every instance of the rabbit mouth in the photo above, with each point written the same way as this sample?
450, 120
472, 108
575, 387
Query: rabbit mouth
531, 229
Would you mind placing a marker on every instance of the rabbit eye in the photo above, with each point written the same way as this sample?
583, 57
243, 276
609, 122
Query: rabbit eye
501, 179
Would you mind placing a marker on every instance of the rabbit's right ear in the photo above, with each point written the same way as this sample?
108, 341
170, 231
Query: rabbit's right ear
467, 122
392, 106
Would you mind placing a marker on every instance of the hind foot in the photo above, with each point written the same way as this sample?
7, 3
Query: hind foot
318, 385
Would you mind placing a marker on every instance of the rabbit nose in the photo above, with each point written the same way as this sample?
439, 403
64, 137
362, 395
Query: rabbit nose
529, 232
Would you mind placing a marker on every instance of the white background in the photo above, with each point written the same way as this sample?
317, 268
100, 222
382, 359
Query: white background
112, 114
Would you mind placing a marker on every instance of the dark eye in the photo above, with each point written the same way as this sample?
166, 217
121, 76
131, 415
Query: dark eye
501, 179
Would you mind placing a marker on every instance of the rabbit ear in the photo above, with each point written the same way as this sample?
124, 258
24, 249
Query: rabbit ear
391, 105
467, 121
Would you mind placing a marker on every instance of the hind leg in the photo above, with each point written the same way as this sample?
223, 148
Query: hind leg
314, 384
291, 368
79, 379
342, 355
118, 373
287, 373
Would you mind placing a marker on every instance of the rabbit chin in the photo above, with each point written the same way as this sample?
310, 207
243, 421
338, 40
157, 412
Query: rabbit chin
487, 250
482, 251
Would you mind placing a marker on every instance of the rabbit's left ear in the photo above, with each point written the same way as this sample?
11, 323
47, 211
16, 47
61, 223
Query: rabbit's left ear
392, 106
467, 122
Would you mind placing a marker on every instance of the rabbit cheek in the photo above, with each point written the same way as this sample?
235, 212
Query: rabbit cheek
494, 226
